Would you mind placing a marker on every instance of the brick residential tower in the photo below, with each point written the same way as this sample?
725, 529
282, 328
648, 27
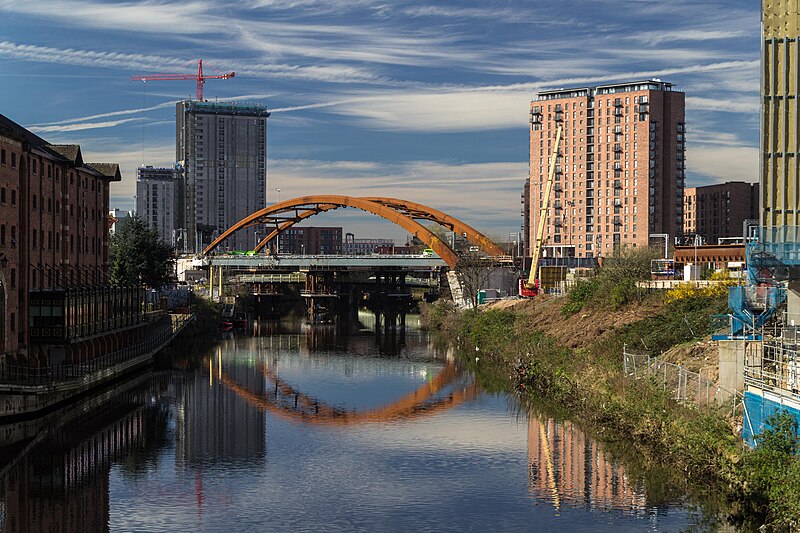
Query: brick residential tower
621, 168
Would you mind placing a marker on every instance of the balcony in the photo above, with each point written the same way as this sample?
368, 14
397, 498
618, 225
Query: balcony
618, 147
618, 102
617, 111
617, 166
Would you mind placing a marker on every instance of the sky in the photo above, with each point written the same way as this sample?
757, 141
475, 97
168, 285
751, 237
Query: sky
421, 100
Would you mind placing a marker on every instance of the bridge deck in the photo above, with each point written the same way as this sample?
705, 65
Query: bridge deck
323, 262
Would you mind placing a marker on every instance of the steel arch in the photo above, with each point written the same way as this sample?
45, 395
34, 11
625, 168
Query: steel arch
291, 211
419, 211
404, 213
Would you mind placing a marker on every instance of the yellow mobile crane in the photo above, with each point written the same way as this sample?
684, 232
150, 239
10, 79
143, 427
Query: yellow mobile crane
531, 288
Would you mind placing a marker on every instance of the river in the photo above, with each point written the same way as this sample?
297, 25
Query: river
299, 428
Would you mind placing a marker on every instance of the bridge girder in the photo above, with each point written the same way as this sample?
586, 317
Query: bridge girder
403, 213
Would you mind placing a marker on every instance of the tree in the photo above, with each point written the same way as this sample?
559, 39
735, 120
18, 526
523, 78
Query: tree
473, 269
139, 256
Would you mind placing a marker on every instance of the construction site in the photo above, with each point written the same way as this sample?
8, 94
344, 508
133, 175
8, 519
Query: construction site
760, 350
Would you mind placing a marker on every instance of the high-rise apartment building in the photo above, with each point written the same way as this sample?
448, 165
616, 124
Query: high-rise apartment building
159, 198
222, 150
719, 211
620, 170
780, 143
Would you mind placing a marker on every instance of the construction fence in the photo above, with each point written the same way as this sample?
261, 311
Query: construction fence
692, 389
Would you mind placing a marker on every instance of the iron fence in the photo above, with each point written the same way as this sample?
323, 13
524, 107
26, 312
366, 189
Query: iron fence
53, 374
692, 389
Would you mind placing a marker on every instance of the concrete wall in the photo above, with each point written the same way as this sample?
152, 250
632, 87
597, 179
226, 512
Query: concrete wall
731, 365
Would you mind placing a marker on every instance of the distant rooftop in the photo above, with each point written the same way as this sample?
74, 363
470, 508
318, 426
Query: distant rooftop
632, 86
225, 108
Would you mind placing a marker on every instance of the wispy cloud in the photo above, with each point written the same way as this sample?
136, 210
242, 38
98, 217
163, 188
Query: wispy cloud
82, 126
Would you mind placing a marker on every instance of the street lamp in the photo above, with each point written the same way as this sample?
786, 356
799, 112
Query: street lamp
278, 190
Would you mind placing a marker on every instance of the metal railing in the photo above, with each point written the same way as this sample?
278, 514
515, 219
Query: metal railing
684, 386
65, 372
776, 366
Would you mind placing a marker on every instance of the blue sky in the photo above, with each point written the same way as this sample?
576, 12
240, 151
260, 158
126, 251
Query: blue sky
426, 101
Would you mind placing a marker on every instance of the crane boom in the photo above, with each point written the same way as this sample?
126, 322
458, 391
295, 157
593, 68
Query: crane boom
200, 77
537, 247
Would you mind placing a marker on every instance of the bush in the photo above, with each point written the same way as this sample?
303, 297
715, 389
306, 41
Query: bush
581, 294
773, 471
615, 284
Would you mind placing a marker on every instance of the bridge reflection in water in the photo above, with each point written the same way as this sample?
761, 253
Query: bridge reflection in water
192, 431
567, 468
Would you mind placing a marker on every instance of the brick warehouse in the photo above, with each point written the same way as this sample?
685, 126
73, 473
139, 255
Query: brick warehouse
55, 302
620, 173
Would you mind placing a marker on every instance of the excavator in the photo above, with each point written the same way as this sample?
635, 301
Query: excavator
530, 288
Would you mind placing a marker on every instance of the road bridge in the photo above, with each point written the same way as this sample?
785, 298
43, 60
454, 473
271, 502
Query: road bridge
304, 263
404, 213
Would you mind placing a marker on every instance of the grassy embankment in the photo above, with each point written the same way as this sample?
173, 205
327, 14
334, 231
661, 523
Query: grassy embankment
582, 379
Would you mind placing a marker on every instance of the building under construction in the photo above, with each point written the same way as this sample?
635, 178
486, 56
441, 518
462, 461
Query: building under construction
221, 149
762, 345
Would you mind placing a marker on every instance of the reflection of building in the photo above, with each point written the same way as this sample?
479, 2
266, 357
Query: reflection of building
222, 149
567, 467
63, 484
311, 241
620, 174
159, 201
214, 423
718, 211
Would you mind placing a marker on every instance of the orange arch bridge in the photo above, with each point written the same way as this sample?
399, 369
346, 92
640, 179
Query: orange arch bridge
290, 404
403, 213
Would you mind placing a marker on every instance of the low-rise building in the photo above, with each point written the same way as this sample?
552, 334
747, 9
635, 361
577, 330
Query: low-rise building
717, 212
310, 240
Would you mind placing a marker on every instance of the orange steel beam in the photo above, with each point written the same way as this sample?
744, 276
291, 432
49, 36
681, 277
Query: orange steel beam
310, 410
419, 211
303, 203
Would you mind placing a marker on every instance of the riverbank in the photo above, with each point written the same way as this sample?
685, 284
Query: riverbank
572, 361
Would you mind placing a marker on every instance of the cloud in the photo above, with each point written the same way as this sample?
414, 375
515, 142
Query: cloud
698, 103
718, 164
82, 126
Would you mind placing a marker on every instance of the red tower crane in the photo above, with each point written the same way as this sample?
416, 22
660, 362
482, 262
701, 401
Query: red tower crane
200, 77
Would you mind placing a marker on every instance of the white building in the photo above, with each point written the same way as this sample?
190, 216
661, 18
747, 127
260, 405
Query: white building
158, 202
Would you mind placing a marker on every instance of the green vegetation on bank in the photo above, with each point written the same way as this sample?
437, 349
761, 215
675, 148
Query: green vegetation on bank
587, 385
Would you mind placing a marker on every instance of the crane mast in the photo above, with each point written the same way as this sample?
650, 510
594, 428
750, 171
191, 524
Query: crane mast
199, 77
537, 246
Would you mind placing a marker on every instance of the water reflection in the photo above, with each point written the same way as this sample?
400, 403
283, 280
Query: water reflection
566, 467
357, 441
61, 483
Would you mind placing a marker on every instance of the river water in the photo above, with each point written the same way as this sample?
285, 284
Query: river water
300, 428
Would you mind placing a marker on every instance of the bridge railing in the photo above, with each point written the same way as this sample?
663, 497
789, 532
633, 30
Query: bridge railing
11, 374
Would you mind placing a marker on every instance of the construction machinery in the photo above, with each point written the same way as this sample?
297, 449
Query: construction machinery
200, 77
531, 287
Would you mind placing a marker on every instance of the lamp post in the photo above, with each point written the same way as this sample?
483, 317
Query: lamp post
278, 191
